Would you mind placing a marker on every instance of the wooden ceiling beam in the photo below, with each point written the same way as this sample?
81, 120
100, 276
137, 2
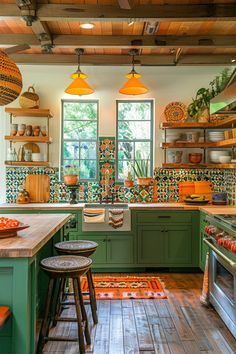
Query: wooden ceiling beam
144, 60
70, 41
67, 12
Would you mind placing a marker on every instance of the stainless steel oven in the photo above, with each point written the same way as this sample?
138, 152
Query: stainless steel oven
220, 236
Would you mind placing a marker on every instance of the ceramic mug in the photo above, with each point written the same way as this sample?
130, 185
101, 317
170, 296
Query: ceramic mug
43, 131
14, 129
36, 130
29, 130
28, 155
21, 130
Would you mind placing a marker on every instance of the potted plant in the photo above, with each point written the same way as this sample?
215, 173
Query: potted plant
129, 180
199, 108
71, 174
140, 168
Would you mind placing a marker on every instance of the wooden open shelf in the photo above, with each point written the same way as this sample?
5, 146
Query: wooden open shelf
225, 123
29, 139
199, 165
222, 143
32, 112
27, 163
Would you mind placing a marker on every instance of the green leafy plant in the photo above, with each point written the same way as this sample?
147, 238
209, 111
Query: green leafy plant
71, 170
140, 166
204, 95
129, 176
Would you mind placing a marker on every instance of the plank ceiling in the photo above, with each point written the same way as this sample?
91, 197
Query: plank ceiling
188, 32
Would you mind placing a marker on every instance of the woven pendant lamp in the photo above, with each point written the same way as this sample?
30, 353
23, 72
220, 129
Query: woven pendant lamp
10, 80
133, 86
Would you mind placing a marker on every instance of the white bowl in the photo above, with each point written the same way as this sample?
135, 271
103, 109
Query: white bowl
225, 159
37, 156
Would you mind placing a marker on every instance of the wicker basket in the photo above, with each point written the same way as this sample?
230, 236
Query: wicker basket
10, 80
29, 99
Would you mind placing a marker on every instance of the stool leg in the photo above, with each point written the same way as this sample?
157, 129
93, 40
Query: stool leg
93, 287
84, 314
79, 323
45, 324
59, 297
92, 296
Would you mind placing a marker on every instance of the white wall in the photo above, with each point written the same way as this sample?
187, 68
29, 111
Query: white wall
166, 84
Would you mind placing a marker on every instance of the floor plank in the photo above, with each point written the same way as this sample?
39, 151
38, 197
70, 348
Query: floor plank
176, 325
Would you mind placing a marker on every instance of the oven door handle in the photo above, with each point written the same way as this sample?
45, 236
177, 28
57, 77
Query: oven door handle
215, 249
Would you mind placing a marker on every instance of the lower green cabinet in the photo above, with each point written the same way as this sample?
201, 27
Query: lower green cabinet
112, 250
178, 245
150, 244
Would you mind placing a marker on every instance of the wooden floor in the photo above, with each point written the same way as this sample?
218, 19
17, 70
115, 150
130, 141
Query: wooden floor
179, 324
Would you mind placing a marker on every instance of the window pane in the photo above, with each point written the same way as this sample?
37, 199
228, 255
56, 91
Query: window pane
88, 150
71, 150
126, 150
80, 130
142, 148
87, 169
123, 168
134, 130
134, 111
79, 136
80, 110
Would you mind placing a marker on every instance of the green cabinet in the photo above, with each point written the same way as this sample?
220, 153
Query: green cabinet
112, 250
178, 245
150, 244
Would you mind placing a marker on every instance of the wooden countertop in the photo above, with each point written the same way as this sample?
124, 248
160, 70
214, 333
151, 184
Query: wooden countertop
132, 206
30, 241
213, 210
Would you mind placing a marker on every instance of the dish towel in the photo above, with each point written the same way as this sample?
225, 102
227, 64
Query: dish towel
204, 298
94, 215
116, 218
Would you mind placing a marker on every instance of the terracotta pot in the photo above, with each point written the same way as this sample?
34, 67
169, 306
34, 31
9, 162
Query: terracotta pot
128, 183
71, 179
195, 158
144, 181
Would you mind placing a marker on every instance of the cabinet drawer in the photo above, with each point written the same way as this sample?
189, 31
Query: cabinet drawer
163, 217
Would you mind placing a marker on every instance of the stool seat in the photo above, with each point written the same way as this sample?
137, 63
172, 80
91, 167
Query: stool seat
65, 264
78, 247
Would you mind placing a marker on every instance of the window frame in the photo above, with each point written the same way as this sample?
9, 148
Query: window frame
87, 140
151, 140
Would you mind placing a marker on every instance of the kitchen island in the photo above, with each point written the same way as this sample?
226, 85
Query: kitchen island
23, 286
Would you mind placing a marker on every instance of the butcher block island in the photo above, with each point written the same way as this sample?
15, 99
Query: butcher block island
20, 277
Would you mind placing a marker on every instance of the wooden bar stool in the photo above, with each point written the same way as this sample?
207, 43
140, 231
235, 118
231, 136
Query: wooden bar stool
62, 268
83, 248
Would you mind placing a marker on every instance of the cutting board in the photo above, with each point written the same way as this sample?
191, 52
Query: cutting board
38, 187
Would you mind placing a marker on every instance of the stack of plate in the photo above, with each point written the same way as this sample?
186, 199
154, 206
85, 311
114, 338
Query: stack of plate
171, 137
214, 156
215, 136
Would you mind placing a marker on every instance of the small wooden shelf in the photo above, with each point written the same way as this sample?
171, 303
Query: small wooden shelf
222, 143
225, 123
199, 165
29, 139
27, 163
33, 112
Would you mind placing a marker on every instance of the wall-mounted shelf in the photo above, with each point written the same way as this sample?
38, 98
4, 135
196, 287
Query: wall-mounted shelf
29, 139
228, 122
27, 163
33, 112
199, 165
222, 143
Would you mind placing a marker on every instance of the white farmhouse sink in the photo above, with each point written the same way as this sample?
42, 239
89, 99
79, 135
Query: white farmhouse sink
105, 226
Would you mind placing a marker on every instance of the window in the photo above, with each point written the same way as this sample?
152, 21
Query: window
80, 135
134, 134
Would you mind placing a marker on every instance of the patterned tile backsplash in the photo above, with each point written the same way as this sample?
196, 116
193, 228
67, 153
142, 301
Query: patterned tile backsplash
166, 181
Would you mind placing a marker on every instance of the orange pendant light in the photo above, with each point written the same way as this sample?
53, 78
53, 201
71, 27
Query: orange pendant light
133, 86
79, 86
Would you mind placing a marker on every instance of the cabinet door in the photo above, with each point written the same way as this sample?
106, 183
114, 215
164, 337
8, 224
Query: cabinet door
178, 245
150, 244
100, 256
120, 249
